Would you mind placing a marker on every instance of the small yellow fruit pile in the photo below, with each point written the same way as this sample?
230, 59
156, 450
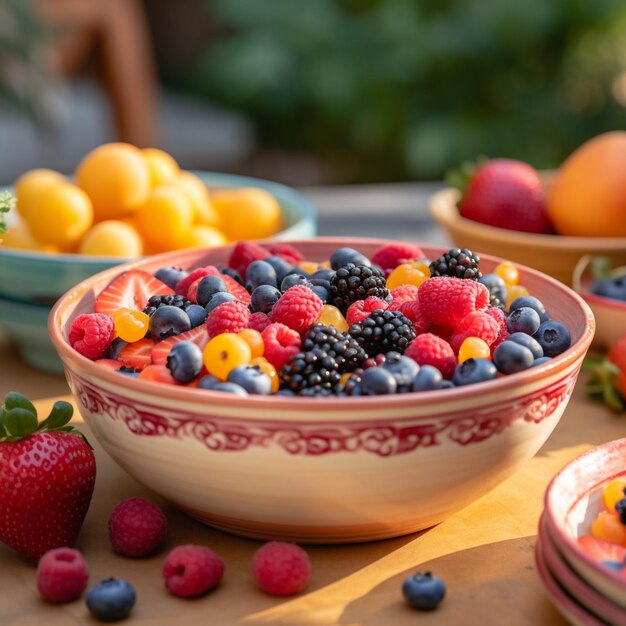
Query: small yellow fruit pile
126, 202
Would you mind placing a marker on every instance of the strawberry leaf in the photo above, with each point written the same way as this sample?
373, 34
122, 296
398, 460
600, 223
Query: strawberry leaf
14, 400
60, 415
19, 423
7, 202
460, 177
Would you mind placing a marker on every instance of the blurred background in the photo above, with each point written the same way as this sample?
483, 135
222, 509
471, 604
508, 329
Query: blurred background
309, 93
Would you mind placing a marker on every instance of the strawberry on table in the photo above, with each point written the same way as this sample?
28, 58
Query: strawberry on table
47, 476
601, 550
607, 380
137, 355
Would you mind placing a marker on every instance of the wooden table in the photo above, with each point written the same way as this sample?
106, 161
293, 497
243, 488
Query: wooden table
484, 552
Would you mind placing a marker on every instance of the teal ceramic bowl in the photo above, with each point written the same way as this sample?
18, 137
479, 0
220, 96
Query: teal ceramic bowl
37, 278
27, 325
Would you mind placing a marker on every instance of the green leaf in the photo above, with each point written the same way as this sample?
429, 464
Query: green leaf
460, 177
7, 202
18, 422
14, 400
3, 413
601, 267
60, 415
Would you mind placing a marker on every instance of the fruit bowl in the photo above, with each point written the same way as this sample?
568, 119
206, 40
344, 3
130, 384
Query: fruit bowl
39, 278
555, 255
322, 470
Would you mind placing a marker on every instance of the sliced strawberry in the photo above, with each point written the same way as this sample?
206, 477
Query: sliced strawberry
137, 355
158, 374
239, 291
110, 364
183, 285
130, 290
601, 550
198, 335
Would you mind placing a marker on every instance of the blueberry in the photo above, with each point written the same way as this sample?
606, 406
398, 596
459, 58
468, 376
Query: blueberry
263, 298
281, 267
524, 320
402, 368
171, 275
496, 286
528, 342
128, 371
324, 273
208, 287
111, 600
618, 566
208, 382
532, 303
614, 287
321, 292
217, 299
447, 384
320, 282
427, 379
510, 357
234, 274
260, 273
285, 392
184, 361
293, 279
168, 321
377, 381
343, 256
553, 337
252, 379
197, 314
115, 348
423, 591
227, 387
541, 360
474, 371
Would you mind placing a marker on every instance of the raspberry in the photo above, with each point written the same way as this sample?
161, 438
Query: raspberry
285, 251
476, 324
91, 334
281, 343
390, 255
62, 575
137, 527
281, 569
428, 349
243, 254
401, 294
503, 332
191, 570
446, 300
259, 321
229, 317
413, 311
360, 309
297, 308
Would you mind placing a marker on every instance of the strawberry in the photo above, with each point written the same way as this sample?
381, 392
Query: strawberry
47, 476
607, 380
601, 550
137, 355
130, 290
198, 335
190, 289
505, 193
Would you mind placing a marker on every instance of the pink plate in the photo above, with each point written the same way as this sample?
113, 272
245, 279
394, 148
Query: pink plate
572, 500
575, 585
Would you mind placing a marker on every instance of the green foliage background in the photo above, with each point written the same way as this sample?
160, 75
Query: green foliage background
403, 89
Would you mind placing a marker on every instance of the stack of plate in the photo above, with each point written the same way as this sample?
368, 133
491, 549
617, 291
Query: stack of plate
581, 587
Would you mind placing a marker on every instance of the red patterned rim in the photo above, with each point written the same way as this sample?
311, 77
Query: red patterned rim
187, 258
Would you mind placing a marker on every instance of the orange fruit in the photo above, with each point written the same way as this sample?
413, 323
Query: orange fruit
32, 186
112, 238
116, 177
198, 194
163, 167
588, 195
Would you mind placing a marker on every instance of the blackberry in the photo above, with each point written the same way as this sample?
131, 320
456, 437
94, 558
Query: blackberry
155, 302
356, 282
457, 262
311, 373
496, 302
383, 331
343, 348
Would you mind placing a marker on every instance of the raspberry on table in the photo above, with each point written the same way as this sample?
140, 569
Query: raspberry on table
297, 308
391, 255
229, 317
91, 334
413, 311
429, 349
244, 253
281, 569
361, 309
476, 324
281, 343
259, 321
446, 300
403, 293
137, 527
191, 570
62, 575
503, 332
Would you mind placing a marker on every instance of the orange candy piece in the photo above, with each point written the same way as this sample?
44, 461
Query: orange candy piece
608, 526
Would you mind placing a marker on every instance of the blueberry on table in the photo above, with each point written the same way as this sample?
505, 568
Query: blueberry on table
532, 303
263, 298
260, 273
541, 360
402, 368
281, 267
528, 342
423, 591
553, 337
324, 273
228, 387
614, 287
343, 256
208, 382
496, 286
111, 600
197, 314
168, 321
510, 357
292, 279
427, 379
252, 379
208, 287
474, 371
321, 292
171, 275
185, 361
523, 320
377, 381
217, 299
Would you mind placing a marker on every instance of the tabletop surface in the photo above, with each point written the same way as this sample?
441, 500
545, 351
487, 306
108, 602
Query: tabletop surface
485, 552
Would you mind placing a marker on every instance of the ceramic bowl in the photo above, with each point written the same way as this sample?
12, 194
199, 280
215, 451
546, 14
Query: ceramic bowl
325, 469
572, 500
610, 318
39, 278
554, 255
577, 587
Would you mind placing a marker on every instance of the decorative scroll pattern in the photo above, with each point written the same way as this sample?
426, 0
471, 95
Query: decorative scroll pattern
227, 434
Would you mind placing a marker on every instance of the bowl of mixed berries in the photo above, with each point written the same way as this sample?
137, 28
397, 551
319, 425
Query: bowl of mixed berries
325, 390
